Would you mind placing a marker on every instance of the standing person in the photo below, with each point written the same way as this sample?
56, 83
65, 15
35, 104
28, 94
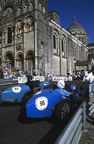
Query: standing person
90, 79
5, 73
1, 73
68, 73
85, 76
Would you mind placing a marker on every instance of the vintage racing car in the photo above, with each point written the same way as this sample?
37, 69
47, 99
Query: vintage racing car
49, 102
21, 93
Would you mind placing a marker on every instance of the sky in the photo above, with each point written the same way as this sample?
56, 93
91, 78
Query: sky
83, 10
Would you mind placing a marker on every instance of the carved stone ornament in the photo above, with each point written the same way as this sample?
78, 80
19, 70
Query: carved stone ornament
19, 36
25, 8
4, 37
0, 8
8, 13
18, 11
30, 6
28, 22
18, 47
19, 27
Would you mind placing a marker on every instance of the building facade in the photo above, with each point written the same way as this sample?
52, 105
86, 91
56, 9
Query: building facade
32, 39
90, 55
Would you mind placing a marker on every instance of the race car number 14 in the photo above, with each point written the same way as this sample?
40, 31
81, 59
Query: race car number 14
41, 103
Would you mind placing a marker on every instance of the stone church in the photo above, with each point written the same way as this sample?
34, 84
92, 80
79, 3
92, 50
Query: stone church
31, 38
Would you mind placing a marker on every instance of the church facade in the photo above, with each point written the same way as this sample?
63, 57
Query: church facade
31, 38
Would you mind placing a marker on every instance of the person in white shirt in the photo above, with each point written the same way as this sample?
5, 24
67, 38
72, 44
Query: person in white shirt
90, 79
85, 76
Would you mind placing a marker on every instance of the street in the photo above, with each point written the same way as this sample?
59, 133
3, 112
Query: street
15, 130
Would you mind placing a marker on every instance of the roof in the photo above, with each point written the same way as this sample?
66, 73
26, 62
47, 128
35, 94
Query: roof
90, 44
82, 63
53, 11
76, 27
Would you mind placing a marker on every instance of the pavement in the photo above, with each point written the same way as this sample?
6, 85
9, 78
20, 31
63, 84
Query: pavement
16, 129
88, 134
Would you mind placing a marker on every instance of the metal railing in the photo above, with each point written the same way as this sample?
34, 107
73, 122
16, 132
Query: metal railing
73, 131
4, 82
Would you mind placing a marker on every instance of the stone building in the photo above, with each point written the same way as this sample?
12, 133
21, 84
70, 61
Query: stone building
31, 38
90, 55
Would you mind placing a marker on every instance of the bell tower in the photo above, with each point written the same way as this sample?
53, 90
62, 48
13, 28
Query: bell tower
41, 6
41, 35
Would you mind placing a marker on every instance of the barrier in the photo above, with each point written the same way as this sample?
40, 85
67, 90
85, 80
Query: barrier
73, 131
57, 78
40, 78
4, 82
22, 80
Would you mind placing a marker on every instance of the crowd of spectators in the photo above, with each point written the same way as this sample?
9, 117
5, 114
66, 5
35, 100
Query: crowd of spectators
5, 73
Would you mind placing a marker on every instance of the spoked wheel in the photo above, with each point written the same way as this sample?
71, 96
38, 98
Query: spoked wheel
26, 97
62, 110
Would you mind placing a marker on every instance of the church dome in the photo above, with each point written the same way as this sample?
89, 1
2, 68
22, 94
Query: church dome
78, 31
76, 27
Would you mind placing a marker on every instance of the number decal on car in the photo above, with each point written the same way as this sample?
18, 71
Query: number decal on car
41, 103
16, 89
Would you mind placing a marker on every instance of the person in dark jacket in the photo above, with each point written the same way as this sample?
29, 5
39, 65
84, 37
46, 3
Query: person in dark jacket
1, 73
34, 85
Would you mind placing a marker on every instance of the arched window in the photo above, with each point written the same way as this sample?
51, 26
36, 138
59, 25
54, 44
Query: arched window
89, 56
62, 46
42, 48
9, 35
55, 41
56, 46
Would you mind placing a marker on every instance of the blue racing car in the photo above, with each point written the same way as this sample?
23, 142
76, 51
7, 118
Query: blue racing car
22, 93
49, 102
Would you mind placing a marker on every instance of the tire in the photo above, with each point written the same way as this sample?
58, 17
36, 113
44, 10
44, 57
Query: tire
62, 110
82, 88
26, 97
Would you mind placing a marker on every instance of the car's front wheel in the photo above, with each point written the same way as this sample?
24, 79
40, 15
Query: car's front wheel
26, 98
62, 110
